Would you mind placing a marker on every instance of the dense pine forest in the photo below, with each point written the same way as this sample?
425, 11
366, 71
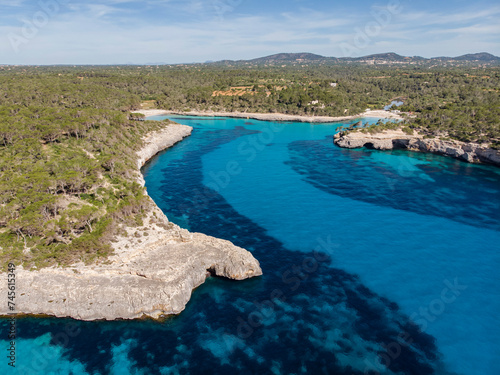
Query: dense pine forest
67, 138
67, 167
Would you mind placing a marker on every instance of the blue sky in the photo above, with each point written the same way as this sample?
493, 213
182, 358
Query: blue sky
174, 31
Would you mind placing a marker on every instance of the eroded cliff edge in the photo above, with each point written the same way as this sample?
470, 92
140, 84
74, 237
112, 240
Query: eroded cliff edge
397, 139
152, 273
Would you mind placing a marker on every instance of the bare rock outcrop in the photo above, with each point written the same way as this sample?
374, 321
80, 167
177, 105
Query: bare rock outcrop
392, 139
153, 279
152, 272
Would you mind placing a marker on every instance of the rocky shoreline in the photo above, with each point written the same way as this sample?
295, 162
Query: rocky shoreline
272, 116
151, 274
397, 139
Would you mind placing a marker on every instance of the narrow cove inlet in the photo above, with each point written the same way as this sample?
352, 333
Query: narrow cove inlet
373, 262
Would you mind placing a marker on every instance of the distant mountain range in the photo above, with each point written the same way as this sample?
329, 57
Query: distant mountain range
389, 58
288, 57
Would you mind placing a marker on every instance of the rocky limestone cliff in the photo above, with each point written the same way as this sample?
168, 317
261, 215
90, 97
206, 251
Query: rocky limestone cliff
392, 139
152, 273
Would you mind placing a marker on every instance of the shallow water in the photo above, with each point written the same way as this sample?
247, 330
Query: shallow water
374, 262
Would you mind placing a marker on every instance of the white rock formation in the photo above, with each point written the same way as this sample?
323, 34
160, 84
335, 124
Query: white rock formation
390, 139
152, 273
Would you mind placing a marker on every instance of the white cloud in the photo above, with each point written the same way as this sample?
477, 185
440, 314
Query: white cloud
113, 31
479, 29
441, 19
11, 3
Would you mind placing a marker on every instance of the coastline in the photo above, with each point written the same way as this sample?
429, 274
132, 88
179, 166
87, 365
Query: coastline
273, 116
152, 272
397, 139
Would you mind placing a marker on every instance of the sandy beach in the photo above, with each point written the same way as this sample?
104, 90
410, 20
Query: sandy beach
273, 116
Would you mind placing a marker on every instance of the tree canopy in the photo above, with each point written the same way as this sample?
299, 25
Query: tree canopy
68, 135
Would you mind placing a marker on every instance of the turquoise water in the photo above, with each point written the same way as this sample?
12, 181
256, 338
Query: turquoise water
374, 262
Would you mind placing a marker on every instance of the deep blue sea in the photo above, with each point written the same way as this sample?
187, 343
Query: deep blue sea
375, 262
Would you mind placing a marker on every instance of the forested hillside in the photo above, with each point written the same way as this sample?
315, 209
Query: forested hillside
67, 167
67, 140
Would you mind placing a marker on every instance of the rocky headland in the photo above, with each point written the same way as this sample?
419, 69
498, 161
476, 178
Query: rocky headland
152, 273
398, 139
